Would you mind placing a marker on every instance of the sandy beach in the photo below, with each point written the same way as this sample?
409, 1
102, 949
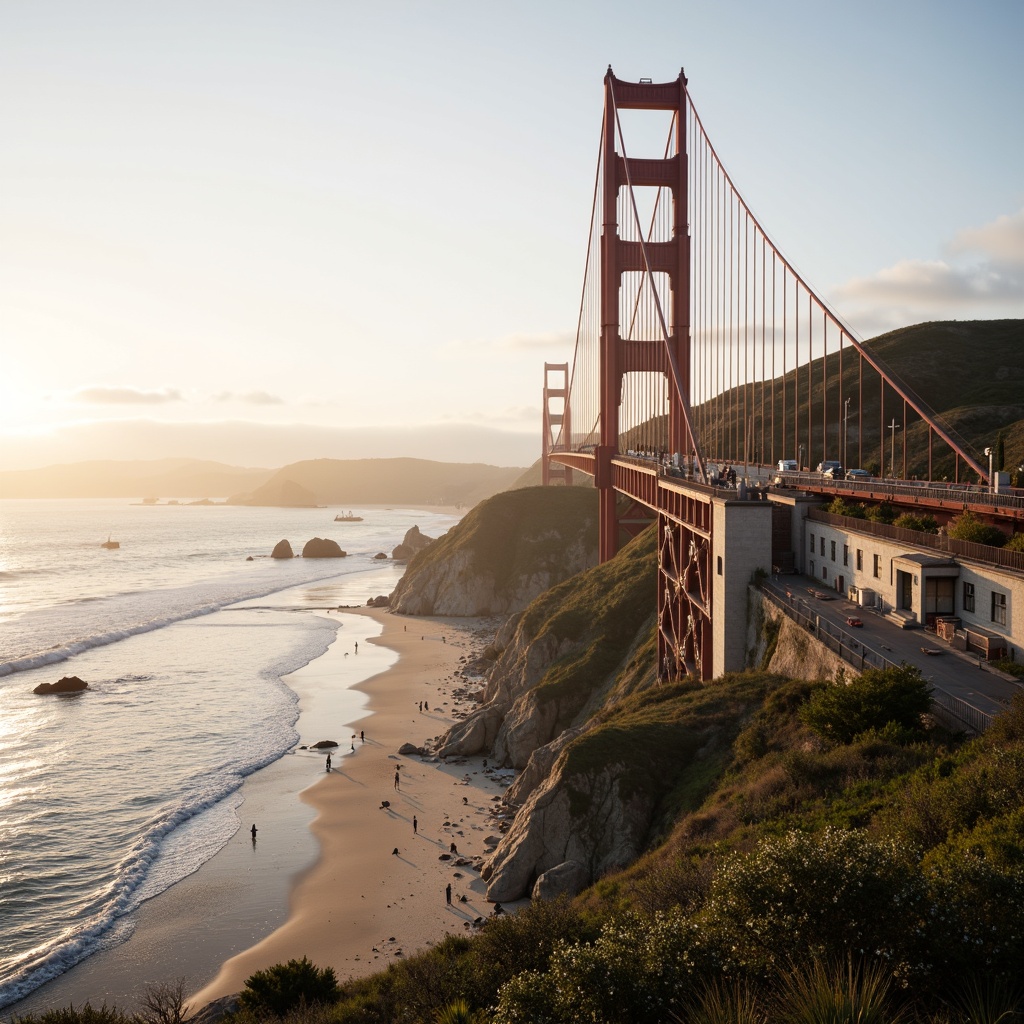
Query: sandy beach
362, 905
321, 880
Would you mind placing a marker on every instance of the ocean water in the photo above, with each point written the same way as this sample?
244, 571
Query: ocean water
109, 796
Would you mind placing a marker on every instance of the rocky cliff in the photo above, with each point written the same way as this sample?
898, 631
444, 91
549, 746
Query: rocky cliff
505, 552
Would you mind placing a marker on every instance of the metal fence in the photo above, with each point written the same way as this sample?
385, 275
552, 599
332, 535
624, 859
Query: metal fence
855, 653
916, 538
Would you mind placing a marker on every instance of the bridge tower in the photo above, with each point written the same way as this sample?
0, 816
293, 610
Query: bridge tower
619, 357
557, 427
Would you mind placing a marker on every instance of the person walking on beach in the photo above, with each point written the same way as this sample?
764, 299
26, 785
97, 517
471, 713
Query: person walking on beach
362, 735
357, 647
253, 830
398, 778
415, 825
448, 893
328, 762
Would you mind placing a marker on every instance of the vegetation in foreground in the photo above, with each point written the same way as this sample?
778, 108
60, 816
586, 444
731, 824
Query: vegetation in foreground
846, 864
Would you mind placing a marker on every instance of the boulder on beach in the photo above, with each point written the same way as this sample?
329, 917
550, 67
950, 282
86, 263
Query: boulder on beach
323, 547
322, 744
69, 684
282, 549
380, 601
410, 748
380, 556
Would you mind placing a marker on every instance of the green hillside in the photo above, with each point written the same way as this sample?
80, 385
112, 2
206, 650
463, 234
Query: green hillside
969, 373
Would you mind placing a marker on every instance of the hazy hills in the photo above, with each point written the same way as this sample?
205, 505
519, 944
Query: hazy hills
380, 481
158, 478
313, 482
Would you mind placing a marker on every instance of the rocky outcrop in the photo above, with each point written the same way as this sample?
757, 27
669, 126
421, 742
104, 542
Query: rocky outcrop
413, 542
68, 684
322, 547
380, 601
775, 643
561, 661
282, 549
569, 834
503, 554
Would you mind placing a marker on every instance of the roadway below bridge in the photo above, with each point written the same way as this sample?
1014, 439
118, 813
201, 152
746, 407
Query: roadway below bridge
959, 674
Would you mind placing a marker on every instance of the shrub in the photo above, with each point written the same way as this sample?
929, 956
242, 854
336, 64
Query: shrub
816, 895
921, 523
967, 526
841, 711
284, 987
1015, 543
883, 512
83, 1015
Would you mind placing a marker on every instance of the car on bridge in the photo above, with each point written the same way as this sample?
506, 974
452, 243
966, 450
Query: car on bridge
787, 466
852, 620
831, 468
858, 474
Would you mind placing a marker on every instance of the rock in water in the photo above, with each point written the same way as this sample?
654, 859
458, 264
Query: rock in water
322, 547
412, 542
69, 684
282, 549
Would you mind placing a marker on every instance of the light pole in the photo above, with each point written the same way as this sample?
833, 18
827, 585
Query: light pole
800, 460
989, 452
846, 432
894, 426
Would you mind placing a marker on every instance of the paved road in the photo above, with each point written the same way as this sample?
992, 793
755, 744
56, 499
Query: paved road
956, 672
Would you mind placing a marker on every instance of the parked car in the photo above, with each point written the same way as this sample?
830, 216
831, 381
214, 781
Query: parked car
858, 474
787, 466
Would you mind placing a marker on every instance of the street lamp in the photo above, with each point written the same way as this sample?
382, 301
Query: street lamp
989, 452
800, 460
894, 426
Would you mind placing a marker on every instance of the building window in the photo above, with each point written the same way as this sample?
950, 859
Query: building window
833, 551
860, 560
823, 545
877, 570
846, 554
998, 608
824, 572
812, 567
719, 565
812, 543
968, 597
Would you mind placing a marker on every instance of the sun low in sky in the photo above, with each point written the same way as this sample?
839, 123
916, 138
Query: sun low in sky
264, 231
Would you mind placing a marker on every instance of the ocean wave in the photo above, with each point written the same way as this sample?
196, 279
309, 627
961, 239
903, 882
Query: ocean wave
206, 606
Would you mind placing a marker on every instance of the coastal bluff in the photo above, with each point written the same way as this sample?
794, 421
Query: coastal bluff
505, 552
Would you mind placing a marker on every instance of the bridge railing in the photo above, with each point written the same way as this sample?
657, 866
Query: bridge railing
917, 538
855, 653
959, 493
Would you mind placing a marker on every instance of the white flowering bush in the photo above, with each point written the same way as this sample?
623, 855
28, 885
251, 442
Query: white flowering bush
822, 895
639, 969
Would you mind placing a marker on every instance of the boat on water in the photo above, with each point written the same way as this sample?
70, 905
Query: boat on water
348, 517
110, 545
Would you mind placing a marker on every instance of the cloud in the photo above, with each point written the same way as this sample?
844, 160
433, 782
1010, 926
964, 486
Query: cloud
250, 398
982, 276
127, 396
1001, 242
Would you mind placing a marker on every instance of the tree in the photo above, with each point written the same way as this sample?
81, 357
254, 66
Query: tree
883, 512
840, 711
1016, 542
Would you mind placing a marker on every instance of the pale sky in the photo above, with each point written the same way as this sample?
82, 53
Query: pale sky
361, 227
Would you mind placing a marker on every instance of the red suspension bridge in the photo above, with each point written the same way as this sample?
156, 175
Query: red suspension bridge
698, 347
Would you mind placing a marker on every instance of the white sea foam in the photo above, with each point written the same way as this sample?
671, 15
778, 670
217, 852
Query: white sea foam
110, 796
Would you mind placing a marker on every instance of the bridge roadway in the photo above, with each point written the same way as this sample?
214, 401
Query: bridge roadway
960, 674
